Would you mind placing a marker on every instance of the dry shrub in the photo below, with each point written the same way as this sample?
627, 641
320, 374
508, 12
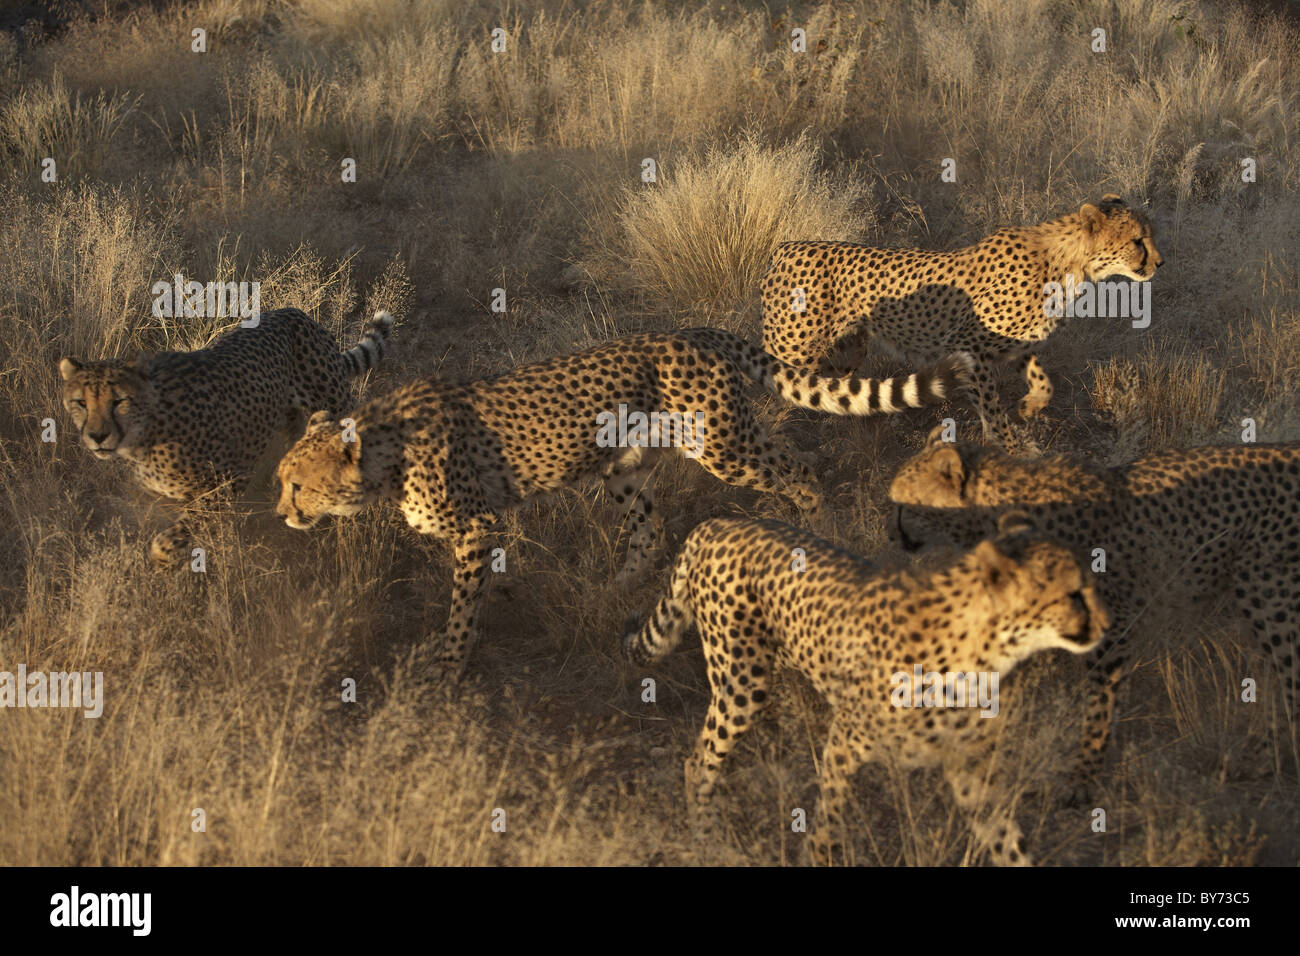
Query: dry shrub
1162, 398
702, 236
50, 120
350, 23
75, 270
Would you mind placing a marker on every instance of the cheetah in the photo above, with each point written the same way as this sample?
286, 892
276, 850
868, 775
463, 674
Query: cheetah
822, 301
1174, 528
188, 423
456, 457
762, 592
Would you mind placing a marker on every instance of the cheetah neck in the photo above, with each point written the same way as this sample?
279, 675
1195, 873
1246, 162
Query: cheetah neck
1061, 245
1001, 480
387, 425
942, 605
149, 436
382, 447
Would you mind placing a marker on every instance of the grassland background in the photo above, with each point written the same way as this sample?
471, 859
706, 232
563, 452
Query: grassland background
522, 170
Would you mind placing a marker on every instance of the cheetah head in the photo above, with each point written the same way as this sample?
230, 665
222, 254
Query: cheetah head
1117, 240
935, 498
111, 403
321, 474
1028, 594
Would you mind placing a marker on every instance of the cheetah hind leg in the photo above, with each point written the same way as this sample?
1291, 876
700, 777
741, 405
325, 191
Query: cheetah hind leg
846, 750
633, 488
847, 355
770, 468
702, 809
1269, 598
995, 424
1040, 387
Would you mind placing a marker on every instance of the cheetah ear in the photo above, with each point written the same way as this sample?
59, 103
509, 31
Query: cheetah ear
323, 417
68, 368
1016, 522
996, 569
1112, 199
141, 364
935, 438
1092, 217
951, 469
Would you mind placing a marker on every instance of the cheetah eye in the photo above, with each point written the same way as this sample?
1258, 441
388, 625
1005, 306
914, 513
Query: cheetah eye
121, 401
80, 403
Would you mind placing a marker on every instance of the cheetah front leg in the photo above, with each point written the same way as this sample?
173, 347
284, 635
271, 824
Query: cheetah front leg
1108, 665
732, 705
994, 421
1040, 386
1267, 595
1099, 715
170, 549
845, 751
471, 555
632, 486
173, 547
995, 829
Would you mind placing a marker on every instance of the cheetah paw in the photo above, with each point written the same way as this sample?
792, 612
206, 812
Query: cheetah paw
169, 550
446, 673
1078, 792
818, 852
1030, 407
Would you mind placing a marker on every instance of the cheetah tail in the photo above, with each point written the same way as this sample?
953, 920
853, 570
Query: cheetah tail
644, 643
370, 350
854, 395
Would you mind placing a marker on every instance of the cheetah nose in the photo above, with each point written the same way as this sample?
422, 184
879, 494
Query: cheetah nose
97, 437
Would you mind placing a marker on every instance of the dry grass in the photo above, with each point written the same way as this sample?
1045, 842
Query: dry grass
700, 237
521, 170
1161, 399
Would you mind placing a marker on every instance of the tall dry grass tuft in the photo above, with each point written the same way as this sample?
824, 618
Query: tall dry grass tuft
1164, 400
1209, 116
75, 269
49, 121
701, 237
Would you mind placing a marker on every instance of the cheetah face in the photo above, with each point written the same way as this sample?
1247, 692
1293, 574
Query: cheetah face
320, 475
933, 500
1120, 241
1039, 596
109, 402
